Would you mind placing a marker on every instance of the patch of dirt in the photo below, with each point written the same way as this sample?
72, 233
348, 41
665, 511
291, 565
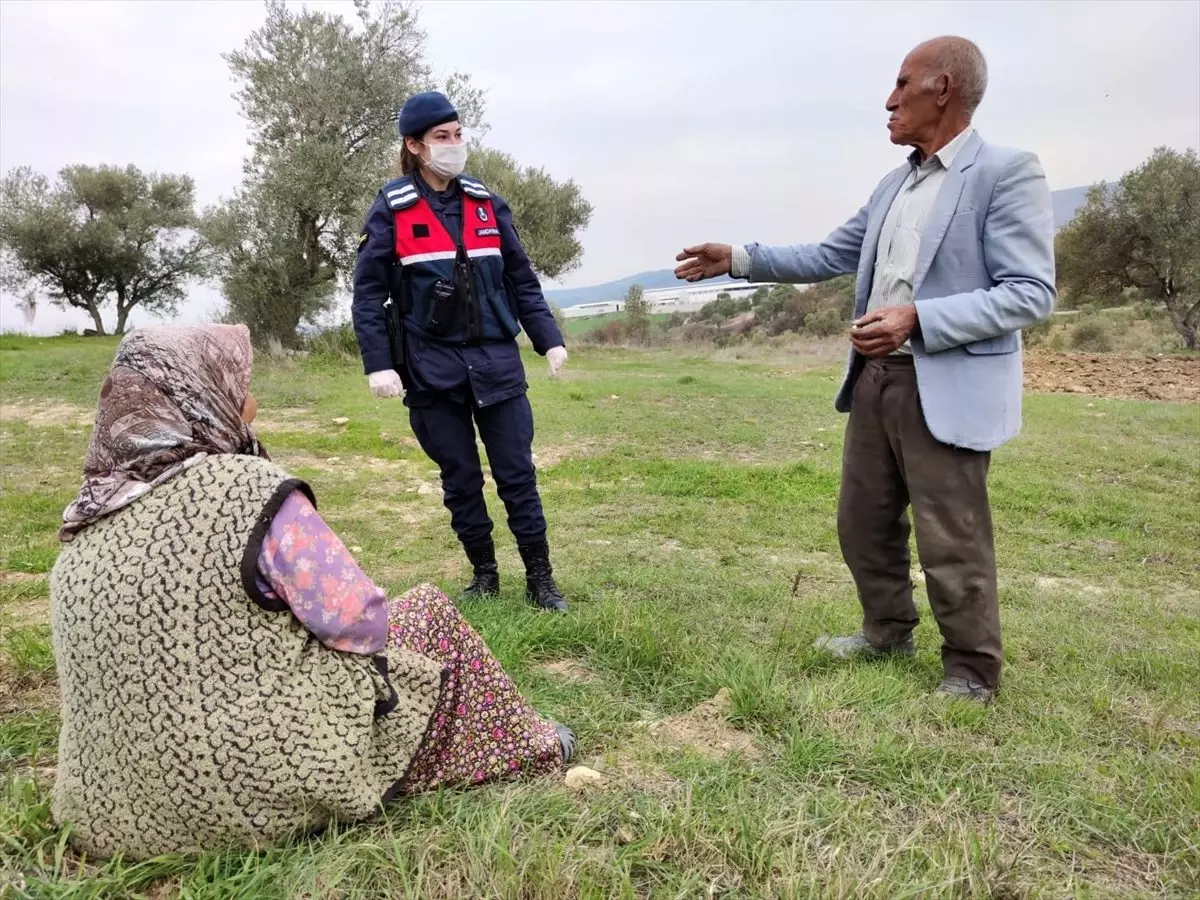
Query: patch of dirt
1066, 586
568, 670
347, 465
1139, 711
22, 613
293, 461
22, 577
44, 414
705, 730
626, 769
1175, 378
1123, 874
548, 457
42, 774
25, 694
403, 441
644, 778
408, 513
375, 464
288, 418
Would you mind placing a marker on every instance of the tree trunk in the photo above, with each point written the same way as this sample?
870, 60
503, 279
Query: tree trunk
310, 241
123, 309
292, 338
1185, 322
1190, 334
122, 317
1191, 327
94, 312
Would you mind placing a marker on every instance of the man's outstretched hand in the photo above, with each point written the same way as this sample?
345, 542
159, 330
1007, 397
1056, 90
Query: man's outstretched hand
880, 332
704, 261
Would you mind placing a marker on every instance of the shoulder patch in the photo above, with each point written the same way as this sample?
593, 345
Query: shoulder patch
400, 194
473, 187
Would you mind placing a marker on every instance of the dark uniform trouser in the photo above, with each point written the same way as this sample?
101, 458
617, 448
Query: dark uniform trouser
892, 460
446, 433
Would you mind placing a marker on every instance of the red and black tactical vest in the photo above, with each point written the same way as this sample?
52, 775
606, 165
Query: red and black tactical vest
452, 288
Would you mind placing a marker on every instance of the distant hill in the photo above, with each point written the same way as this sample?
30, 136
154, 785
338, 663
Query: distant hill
1066, 202
615, 290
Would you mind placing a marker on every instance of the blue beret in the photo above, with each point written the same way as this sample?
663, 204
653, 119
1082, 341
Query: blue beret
425, 111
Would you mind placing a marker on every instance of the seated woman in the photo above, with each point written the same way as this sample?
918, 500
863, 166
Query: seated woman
229, 675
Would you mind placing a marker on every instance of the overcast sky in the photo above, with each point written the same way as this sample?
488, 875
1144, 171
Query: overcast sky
681, 121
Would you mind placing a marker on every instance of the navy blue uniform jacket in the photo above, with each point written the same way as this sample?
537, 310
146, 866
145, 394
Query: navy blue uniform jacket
484, 374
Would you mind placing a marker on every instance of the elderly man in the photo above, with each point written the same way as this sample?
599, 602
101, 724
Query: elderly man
954, 253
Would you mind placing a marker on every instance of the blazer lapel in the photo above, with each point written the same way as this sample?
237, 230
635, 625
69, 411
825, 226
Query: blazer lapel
944, 208
870, 246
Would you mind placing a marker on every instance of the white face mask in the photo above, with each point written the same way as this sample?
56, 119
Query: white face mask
447, 160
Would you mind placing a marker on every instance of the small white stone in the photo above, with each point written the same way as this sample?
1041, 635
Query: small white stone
581, 778
340, 420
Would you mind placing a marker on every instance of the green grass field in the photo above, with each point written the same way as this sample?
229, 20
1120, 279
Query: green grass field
574, 328
577, 328
687, 495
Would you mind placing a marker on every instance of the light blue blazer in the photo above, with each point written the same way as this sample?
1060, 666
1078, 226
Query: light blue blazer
985, 271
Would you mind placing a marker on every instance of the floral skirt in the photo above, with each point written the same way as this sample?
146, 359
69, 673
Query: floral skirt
482, 728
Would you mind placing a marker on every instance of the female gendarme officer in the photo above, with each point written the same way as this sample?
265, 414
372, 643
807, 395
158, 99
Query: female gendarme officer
442, 287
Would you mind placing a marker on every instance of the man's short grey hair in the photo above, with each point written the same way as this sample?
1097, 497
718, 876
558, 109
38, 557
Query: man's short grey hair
963, 61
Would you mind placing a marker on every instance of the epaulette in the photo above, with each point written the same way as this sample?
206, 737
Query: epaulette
401, 193
473, 187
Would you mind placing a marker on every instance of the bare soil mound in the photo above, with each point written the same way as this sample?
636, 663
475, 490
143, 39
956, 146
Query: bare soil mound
1175, 378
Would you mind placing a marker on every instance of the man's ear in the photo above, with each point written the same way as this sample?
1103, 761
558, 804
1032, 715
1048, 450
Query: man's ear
944, 86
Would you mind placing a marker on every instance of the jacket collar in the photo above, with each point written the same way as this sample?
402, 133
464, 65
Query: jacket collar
962, 149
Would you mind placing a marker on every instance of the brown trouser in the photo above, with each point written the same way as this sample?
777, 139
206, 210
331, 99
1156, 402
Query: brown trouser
891, 461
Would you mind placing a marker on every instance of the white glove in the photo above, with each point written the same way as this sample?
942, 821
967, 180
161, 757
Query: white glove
556, 356
385, 384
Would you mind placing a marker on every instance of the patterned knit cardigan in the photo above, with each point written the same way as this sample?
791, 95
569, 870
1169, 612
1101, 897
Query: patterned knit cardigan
198, 714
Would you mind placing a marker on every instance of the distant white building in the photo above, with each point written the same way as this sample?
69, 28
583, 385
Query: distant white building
685, 298
584, 310
691, 297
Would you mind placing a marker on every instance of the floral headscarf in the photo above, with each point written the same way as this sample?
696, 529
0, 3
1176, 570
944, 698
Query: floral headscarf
173, 396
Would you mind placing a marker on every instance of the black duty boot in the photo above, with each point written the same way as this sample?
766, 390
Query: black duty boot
539, 578
486, 582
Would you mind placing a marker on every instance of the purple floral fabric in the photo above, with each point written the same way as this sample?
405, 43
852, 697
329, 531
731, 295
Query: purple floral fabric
306, 565
482, 729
